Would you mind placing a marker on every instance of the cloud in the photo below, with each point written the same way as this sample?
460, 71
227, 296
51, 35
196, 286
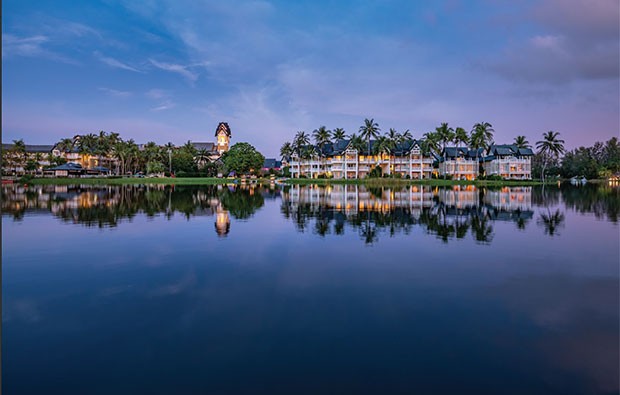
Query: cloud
163, 97
114, 92
114, 63
576, 40
176, 68
31, 46
165, 105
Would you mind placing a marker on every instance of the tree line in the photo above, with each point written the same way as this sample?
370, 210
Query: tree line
126, 157
550, 158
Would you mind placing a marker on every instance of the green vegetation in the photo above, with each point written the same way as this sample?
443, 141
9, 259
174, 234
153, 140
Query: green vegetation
242, 158
402, 182
117, 181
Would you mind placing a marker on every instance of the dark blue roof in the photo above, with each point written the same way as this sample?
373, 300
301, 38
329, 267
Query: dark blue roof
509, 149
271, 163
69, 166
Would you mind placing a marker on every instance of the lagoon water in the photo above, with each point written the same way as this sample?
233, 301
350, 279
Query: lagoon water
223, 289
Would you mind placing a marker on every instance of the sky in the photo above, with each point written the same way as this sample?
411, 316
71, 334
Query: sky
171, 70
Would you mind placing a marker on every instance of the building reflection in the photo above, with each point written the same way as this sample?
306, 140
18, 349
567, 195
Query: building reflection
108, 206
448, 213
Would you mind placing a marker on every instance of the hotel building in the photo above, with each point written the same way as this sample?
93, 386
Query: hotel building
341, 161
509, 162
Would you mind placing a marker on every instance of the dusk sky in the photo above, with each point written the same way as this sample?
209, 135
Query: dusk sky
171, 70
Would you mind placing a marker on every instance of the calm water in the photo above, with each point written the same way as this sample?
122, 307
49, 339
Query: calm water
310, 290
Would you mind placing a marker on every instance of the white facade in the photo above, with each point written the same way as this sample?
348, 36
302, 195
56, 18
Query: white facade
349, 165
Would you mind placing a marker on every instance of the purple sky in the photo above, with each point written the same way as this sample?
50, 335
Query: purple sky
170, 71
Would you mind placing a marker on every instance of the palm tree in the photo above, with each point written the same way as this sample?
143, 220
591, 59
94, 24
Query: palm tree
430, 143
286, 150
19, 149
445, 135
550, 147
406, 136
300, 141
369, 130
202, 155
357, 144
169, 147
38, 157
338, 134
521, 142
321, 137
383, 145
460, 136
551, 222
481, 137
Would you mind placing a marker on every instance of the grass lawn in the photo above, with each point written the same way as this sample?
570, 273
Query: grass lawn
122, 181
392, 181
301, 181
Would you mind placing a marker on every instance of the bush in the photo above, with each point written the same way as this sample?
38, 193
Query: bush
26, 179
375, 172
493, 177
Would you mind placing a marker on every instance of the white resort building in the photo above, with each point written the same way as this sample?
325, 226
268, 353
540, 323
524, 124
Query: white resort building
508, 162
341, 161
460, 163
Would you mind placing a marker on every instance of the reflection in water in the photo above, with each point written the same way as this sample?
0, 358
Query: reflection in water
445, 212
107, 206
448, 213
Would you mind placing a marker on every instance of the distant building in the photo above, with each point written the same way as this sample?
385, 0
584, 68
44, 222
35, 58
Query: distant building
215, 149
272, 164
13, 164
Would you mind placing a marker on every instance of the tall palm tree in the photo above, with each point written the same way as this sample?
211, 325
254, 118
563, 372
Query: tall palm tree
460, 136
169, 147
286, 150
430, 143
550, 147
481, 137
301, 139
322, 136
370, 129
357, 143
300, 142
445, 135
19, 149
521, 142
338, 134
406, 136
383, 145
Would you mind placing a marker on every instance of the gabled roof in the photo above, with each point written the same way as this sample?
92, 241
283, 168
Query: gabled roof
223, 126
526, 152
210, 147
32, 148
69, 166
271, 163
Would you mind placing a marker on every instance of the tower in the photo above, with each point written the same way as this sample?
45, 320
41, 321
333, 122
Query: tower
223, 137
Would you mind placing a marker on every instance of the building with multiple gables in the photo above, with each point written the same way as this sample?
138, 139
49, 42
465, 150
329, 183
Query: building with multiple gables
341, 160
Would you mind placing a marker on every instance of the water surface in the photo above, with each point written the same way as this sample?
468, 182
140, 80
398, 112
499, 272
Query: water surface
202, 289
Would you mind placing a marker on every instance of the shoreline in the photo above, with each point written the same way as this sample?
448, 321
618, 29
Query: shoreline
290, 181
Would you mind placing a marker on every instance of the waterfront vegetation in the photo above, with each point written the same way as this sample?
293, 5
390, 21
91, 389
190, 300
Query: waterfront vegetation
551, 159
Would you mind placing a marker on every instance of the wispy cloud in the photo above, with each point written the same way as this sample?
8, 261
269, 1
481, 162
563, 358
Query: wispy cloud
165, 105
32, 46
176, 68
114, 63
114, 92
163, 97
